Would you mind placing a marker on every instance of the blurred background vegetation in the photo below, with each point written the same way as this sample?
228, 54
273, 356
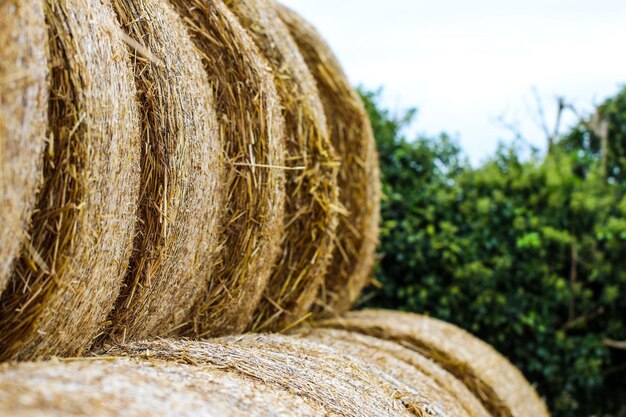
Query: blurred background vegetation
527, 250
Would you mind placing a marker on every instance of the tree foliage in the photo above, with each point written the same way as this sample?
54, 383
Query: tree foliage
529, 255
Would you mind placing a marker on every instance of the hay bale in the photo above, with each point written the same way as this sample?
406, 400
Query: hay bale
335, 383
311, 189
500, 386
358, 179
23, 120
253, 134
422, 394
136, 388
81, 236
369, 348
181, 174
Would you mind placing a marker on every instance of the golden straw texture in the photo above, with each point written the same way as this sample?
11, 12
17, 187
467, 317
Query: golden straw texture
23, 120
418, 391
81, 235
358, 179
500, 386
253, 133
135, 388
312, 194
333, 382
181, 164
370, 349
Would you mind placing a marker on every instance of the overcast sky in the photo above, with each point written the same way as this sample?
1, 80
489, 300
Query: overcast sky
466, 63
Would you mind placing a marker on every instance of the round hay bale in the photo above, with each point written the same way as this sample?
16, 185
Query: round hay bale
424, 395
359, 182
135, 388
311, 189
252, 129
181, 174
23, 120
369, 348
500, 386
335, 383
82, 231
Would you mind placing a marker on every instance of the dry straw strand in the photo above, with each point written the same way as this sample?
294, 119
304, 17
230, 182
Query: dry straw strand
358, 179
500, 386
311, 188
253, 134
23, 120
181, 173
368, 347
81, 235
123, 387
333, 382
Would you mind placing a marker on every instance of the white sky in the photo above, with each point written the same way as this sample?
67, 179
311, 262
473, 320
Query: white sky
465, 63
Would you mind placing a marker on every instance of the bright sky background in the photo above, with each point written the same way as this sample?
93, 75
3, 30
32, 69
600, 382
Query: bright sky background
465, 63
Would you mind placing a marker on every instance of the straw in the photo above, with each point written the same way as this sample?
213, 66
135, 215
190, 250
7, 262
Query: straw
181, 178
137, 388
23, 121
500, 386
333, 382
253, 134
311, 189
81, 236
371, 349
358, 179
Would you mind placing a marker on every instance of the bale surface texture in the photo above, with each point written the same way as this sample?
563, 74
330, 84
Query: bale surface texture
369, 348
138, 388
358, 179
500, 386
252, 130
335, 383
81, 236
312, 195
23, 120
181, 175
422, 394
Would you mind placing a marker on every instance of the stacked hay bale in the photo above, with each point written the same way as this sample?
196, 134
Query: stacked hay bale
370, 349
420, 392
23, 120
358, 179
136, 388
311, 188
318, 372
253, 133
181, 175
500, 386
336, 383
82, 230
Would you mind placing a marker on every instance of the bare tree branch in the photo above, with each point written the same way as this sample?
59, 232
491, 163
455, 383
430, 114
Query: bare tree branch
583, 319
615, 344
541, 114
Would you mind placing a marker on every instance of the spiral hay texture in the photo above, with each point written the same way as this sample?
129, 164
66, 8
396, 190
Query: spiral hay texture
23, 120
359, 184
331, 382
421, 370
500, 386
136, 388
253, 134
81, 235
420, 392
311, 188
181, 189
